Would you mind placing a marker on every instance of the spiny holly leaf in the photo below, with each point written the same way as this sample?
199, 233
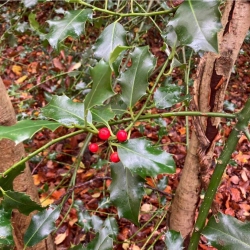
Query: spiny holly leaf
102, 241
20, 201
41, 225
196, 24
6, 181
84, 218
65, 111
126, 191
226, 232
73, 24
173, 240
111, 227
6, 237
134, 80
115, 54
101, 88
25, 129
165, 97
144, 159
102, 114
111, 37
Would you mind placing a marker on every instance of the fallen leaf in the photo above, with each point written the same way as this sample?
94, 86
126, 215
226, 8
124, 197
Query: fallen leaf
244, 175
60, 238
21, 79
235, 193
17, 70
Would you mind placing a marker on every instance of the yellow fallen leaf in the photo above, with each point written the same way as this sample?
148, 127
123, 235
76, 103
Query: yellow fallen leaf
17, 70
96, 195
60, 238
21, 79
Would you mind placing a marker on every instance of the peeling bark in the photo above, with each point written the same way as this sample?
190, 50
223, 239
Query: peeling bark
210, 85
10, 154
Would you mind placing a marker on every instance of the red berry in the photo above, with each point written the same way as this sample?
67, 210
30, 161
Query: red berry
122, 135
104, 133
93, 147
114, 157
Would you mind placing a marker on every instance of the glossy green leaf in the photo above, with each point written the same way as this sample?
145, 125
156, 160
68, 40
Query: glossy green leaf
65, 111
126, 191
20, 201
134, 81
166, 97
102, 114
35, 25
97, 222
196, 24
25, 129
102, 241
226, 232
116, 53
6, 181
84, 218
73, 25
101, 88
111, 37
118, 106
163, 182
99, 164
174, 240
111, 227
144, 159
6, 237
29, 3
41, 225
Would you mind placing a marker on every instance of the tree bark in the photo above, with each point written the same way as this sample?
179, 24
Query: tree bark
10, 154
213, 75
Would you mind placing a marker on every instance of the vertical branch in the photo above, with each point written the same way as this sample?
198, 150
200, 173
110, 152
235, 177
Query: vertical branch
242, 124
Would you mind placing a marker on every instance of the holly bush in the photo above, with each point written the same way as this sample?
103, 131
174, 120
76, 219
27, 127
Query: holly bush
124, 84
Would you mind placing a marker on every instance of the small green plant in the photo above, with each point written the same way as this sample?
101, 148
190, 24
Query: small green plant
124, 73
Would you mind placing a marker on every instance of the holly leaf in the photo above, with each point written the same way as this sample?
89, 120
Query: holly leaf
200, 31
19, 201
134, 81
41, 225
6, 236
112, 36
25, 129
126, 191
73, 25
102, 114
6, 181
102, 241
140, 157
101, 88
166, 97
65, 111
111, 227
117, 105
226, 232
173, 240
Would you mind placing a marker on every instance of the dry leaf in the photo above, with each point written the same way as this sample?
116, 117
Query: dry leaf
60, 238
17, 70
21, 79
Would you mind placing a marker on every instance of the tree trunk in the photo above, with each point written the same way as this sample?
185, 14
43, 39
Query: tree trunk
10, 154
212, 78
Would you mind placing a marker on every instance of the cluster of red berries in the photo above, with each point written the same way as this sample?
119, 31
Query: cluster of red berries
104, 134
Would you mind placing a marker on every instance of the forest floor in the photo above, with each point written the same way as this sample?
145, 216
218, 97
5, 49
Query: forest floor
33, 72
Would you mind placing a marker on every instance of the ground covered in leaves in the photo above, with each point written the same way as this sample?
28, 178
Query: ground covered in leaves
32, 72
